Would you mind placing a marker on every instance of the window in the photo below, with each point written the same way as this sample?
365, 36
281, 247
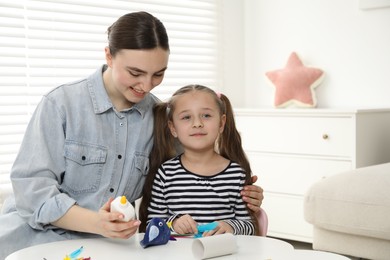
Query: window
46, 43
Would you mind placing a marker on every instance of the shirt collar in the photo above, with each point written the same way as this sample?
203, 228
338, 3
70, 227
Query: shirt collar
101, 101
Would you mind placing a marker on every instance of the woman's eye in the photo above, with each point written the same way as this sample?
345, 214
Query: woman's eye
134, 74
158, 75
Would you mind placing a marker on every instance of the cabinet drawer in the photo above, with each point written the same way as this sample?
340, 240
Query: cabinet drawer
298, 135
292, 174
285, 217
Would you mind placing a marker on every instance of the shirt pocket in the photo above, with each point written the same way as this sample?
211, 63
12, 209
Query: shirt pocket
141, 164
83, 166
139, 171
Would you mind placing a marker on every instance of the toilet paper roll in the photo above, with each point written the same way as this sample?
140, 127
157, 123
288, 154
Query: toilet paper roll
213, 246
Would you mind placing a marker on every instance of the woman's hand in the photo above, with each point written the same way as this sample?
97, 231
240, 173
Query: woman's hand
253, 195
185, 225
103, 222
110, 224
222, 228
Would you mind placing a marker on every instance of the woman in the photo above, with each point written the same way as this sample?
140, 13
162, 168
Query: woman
89, 141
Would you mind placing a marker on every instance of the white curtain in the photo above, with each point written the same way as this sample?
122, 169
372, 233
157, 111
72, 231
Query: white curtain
46, 43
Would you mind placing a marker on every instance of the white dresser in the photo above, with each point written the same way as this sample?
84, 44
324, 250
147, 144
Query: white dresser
289, 149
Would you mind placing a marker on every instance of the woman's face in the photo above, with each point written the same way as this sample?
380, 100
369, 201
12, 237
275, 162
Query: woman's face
132, 74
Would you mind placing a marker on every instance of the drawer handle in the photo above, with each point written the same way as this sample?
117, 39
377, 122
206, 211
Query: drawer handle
325, 136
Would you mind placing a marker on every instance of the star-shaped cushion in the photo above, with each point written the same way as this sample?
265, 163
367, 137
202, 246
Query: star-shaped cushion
294, 84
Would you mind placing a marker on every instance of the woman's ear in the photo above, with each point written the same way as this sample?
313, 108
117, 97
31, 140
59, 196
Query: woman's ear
172, 129
108, 56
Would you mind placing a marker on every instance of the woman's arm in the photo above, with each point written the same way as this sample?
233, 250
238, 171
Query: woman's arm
104, 222
38, 169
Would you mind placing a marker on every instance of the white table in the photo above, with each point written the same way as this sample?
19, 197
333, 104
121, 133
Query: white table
317, 255
249, 247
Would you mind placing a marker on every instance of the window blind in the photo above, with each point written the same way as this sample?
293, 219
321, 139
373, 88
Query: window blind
47, 43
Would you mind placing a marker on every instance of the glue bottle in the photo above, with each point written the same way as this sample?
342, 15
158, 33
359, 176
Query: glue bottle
122, 205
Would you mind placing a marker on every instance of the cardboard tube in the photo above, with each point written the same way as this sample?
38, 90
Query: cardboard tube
213, 246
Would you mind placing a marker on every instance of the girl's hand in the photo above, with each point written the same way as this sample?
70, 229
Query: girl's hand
253, 195
185, 225
110, 224
222, 228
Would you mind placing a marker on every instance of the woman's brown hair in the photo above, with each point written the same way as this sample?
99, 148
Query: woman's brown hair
137, 31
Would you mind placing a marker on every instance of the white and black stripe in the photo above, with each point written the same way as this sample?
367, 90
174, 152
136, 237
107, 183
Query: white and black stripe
177, 191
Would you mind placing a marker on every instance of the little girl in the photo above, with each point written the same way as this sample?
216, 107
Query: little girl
202, 184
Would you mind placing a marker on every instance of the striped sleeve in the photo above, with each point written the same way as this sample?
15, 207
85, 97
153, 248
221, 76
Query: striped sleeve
241, 227
241, 223
158, 207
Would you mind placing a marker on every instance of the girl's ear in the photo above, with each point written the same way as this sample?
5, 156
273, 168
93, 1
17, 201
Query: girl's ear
172, 129
108, 56
223, 123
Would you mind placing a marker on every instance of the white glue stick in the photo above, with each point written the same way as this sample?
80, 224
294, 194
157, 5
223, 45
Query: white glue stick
121, 204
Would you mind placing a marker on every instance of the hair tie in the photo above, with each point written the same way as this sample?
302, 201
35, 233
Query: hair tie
218, 94
168, 109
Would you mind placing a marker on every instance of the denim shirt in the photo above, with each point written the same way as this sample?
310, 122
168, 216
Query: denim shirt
78, 149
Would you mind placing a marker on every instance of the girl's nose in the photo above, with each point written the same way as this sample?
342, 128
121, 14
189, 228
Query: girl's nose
197, 123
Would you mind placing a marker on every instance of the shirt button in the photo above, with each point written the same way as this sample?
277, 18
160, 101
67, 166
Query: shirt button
121, 124
119, 156
83, 158
111, 190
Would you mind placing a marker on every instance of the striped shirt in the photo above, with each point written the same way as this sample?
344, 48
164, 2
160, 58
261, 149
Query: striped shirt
177, 191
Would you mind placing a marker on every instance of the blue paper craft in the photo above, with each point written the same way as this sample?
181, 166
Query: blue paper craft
74, 255
205, 227
157, 233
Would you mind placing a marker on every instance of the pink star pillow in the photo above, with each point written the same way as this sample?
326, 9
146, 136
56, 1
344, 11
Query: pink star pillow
295, 83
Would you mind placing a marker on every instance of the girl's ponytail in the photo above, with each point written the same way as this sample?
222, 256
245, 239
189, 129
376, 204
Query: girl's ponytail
162, 150
229, 143
230, 146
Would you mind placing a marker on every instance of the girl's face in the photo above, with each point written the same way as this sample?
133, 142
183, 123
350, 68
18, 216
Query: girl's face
133, 74
197, 121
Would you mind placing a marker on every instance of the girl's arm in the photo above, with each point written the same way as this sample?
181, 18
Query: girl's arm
242, 223
158, 207
183, 224
241, 227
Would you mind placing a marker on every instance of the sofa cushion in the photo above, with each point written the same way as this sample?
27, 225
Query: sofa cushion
353, 202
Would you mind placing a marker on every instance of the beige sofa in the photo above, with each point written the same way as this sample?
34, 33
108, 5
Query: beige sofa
350, 212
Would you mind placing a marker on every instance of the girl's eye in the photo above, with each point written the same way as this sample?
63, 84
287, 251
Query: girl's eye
206, 115
185, 117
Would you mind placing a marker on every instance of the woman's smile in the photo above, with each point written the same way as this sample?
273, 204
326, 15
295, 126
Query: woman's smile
137, 92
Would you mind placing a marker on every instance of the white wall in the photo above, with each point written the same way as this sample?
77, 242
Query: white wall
351, 45
232, 50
